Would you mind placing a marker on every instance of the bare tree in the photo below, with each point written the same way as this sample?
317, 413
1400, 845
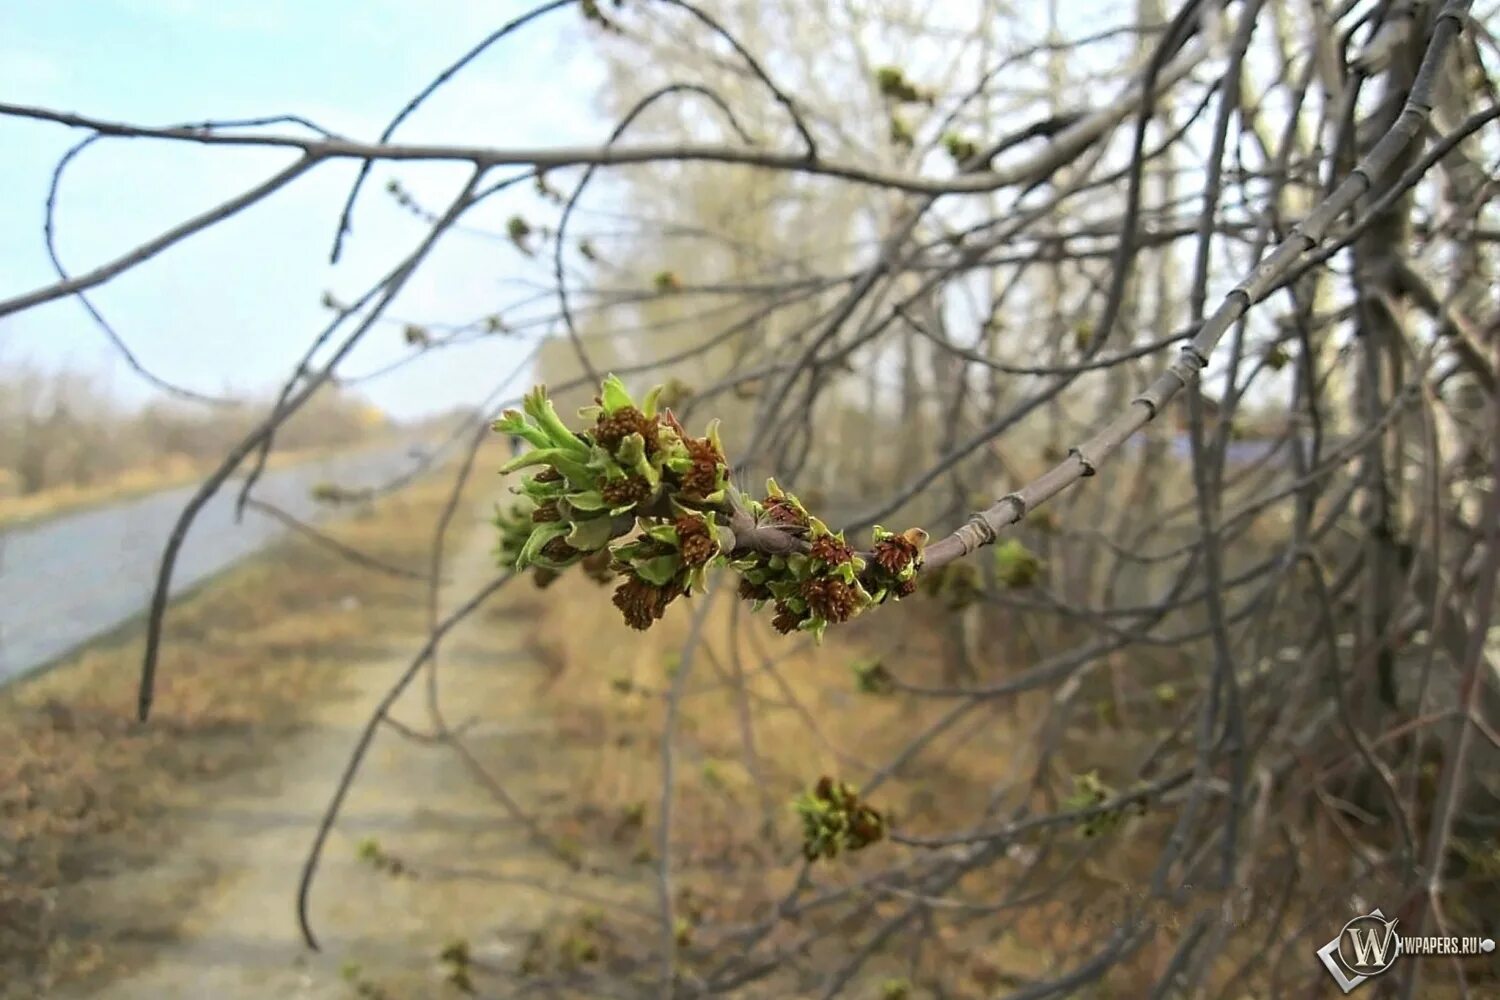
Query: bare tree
924, 262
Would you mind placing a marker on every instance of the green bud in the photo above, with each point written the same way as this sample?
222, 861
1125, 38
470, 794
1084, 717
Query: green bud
539, 407
515, 422
652, 401
562, 460
871, 677
613, 395
631, 455
1016, 565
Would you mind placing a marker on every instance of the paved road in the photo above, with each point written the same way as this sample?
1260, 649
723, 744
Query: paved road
65, 581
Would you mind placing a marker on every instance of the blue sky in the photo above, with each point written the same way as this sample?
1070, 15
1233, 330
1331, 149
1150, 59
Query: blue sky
231, 308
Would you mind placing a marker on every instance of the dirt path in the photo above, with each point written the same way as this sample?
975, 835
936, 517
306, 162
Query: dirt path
215, 918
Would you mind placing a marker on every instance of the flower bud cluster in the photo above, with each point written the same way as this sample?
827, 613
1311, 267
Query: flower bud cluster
633, 470
834, 818
635, 493
809, 589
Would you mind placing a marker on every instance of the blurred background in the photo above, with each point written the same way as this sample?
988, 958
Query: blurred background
1165, 737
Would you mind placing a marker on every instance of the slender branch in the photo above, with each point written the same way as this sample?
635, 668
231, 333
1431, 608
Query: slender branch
151, 248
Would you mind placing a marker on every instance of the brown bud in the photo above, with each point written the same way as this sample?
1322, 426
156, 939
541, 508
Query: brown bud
642, 603
596, 566
702, 479
831, 598
616, 427
558, 550
754, 591
630, 490
830, 550
895, 553
783, 511
696, 542
785, 620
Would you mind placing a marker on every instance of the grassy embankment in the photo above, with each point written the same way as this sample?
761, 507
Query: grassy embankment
165, 474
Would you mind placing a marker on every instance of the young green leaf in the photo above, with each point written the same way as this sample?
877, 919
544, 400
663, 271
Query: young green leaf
540, 536
539, 407
613, 395
592, 535
515, 422
659, 570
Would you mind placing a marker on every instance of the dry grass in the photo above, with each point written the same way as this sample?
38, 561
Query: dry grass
162, 473
762, 716
740, 759
174, 470
243, 656
735, 839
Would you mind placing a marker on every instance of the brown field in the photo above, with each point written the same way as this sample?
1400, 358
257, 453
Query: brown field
163, 474
67, 442
143, 860
734, 846
246, 657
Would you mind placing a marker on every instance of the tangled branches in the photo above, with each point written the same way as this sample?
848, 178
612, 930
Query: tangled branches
1267, 628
